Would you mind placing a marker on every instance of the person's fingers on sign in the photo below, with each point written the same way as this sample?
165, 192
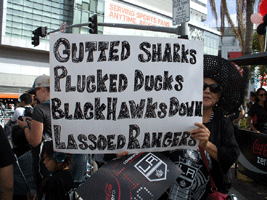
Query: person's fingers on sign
202, 134
121, 154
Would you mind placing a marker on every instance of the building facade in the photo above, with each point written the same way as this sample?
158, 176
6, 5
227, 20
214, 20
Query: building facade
20, 62
229, 48
229, 45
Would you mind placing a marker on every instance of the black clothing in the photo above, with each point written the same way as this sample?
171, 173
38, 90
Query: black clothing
193, 183
40, 172
259, 117
222, 136
57, 186
6, 154
42, 114
18, 136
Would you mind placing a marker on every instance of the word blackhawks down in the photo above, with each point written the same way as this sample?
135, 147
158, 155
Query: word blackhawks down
126, 110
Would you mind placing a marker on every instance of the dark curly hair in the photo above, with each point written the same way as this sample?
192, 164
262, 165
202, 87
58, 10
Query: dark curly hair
48, 150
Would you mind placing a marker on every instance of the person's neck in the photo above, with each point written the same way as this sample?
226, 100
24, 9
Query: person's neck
45, 99
261, 103
207, 114
66, 168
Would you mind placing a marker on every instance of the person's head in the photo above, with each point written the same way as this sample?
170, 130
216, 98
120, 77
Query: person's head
225, 93
41, 88
260, 95
55, 161
252, 96
211, 93
25, 99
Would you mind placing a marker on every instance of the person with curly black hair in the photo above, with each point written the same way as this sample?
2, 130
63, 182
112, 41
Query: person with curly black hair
56, 186
257, 112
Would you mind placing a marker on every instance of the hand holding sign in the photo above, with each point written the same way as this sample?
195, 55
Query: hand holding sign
122, 154
202, 133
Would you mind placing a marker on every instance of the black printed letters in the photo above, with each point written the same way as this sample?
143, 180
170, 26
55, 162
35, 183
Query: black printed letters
112, 142
109, 83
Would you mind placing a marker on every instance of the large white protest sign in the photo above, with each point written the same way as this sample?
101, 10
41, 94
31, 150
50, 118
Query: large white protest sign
120, 93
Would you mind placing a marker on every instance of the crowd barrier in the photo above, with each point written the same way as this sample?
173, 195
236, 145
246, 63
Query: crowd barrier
253, 158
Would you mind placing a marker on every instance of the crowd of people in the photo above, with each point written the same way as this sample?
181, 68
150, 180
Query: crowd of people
56, 173
11, 106
31, 130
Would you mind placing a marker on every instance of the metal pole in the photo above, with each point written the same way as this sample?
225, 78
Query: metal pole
71, 26
179, 30
31, 196
265, 42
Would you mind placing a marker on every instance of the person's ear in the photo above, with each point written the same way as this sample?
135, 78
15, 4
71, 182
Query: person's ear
218, 97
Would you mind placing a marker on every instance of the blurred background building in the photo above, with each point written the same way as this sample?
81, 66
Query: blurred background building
20, 62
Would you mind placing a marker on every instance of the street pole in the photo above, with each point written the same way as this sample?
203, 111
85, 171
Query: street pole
182, 30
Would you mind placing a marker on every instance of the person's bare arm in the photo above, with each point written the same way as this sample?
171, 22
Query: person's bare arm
212, 150
6, 183
241, 115
249, 118
34, 136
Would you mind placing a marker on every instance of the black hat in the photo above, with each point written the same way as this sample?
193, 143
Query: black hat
229, 78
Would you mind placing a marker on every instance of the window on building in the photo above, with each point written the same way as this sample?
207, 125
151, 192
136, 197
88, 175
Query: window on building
93, 5
31, 14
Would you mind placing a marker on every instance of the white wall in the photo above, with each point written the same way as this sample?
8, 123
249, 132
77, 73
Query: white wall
19, 67
229, 44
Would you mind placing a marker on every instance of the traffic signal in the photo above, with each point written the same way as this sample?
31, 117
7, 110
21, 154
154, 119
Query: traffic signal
40, 31
43, 31
93, 24
35, 40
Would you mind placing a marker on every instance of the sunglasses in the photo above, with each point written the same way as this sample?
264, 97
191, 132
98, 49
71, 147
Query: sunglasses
261, 95
214, 88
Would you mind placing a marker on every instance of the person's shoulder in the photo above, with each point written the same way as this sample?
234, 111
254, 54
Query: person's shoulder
28, 106
2, 133
17, 112
254, 105
41, 106
19, 109
62, 175
220, 117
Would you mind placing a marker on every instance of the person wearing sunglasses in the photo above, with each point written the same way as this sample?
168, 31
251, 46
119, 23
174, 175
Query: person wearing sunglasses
222, 95
257, 115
